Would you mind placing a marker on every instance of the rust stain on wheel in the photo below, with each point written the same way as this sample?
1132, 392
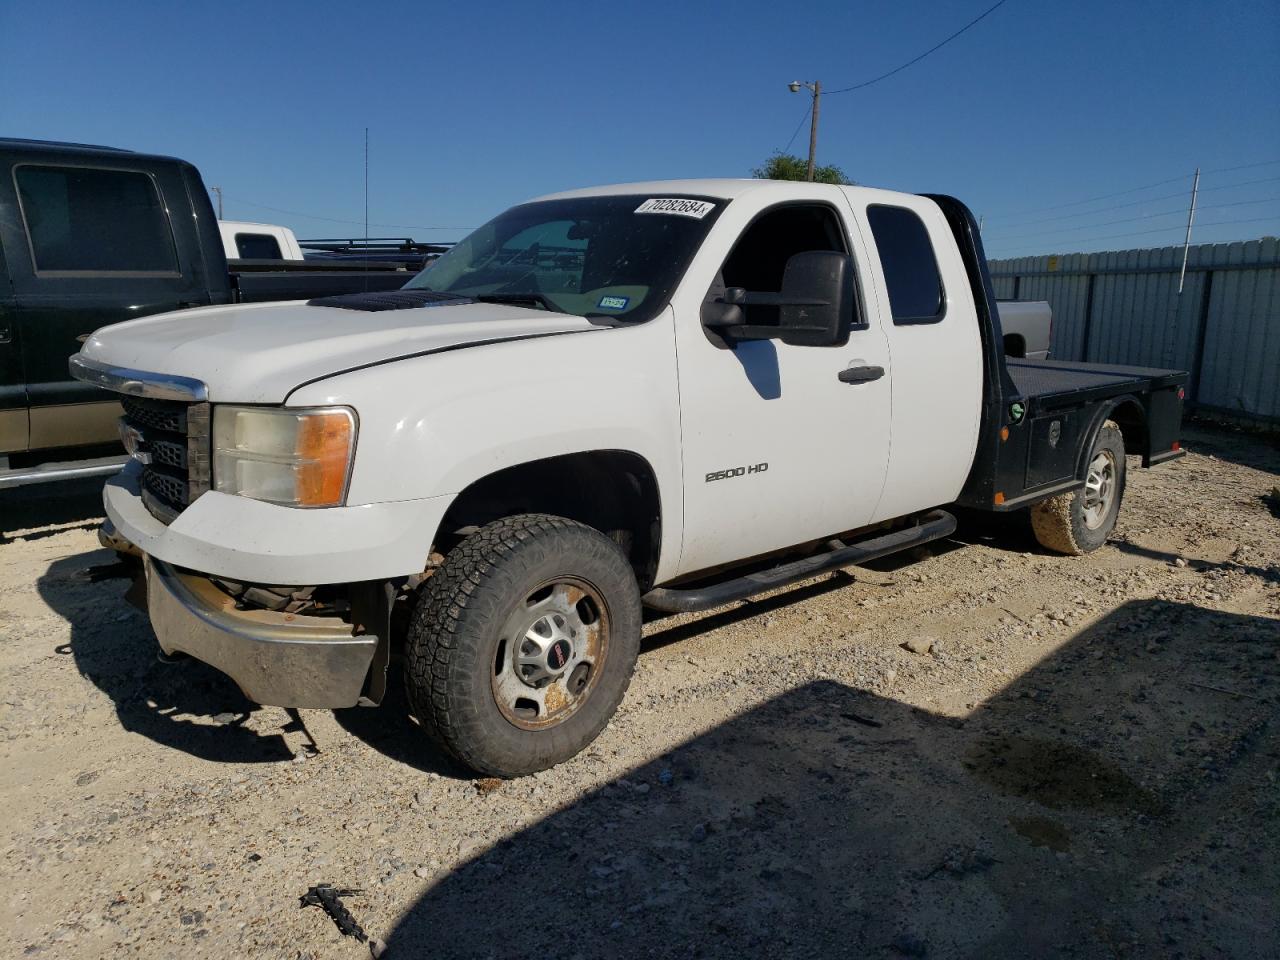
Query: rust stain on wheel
551, 653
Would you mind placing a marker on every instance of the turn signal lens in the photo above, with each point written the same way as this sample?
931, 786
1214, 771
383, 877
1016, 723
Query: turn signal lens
297, 458
998, 499
324, 450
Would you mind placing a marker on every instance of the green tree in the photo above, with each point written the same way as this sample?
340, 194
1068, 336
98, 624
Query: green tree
784, 166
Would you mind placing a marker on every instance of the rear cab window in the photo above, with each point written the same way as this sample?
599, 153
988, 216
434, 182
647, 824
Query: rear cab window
257, 246
85, 221
910, 267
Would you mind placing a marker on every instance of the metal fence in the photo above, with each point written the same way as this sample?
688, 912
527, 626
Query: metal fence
1124, 307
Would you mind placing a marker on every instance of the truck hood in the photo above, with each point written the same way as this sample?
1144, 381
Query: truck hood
258, 353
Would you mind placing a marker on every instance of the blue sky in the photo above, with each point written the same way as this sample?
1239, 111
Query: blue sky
473, 107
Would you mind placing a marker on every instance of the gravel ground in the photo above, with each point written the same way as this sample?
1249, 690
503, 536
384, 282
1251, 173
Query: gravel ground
1075, 757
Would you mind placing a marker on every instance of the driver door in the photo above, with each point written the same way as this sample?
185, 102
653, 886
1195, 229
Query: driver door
778, 451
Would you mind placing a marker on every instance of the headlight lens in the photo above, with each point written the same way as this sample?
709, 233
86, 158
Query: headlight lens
300, 458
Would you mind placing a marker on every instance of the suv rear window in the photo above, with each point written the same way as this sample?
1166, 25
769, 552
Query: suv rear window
909, 265
257, 246
85, 220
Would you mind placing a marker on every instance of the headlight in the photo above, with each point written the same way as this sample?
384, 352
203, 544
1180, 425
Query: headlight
301, 458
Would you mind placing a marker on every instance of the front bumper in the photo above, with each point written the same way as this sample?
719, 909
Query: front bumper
278, 659
255, 542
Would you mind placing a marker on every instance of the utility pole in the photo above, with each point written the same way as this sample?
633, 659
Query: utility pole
813, 127
816, 89
1191, 217
218, 191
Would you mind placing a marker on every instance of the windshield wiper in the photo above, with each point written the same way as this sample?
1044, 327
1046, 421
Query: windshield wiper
518, 300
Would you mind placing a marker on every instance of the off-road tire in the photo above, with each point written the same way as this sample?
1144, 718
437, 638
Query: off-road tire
454, 639
1059, 522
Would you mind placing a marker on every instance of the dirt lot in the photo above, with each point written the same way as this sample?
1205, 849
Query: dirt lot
1084, 764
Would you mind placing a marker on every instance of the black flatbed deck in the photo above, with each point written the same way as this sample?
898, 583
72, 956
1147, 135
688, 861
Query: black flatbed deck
1049, 380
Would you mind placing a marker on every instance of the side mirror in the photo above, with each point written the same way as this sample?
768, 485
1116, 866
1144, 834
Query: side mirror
815, 307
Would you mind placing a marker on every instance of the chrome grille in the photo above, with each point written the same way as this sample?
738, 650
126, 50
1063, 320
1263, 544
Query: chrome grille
172, 441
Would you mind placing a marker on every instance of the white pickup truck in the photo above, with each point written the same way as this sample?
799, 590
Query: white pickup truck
1027, 326
242, 240
671, 395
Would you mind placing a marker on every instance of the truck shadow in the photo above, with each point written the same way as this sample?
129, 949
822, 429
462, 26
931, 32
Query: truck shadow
1114, 801
188, 706
61, 506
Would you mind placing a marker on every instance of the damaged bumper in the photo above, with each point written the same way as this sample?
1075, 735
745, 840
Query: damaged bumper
277, 659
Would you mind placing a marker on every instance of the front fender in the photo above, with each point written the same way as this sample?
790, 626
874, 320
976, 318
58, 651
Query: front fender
430, 426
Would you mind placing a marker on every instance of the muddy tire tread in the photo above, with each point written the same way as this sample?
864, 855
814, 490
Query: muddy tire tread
439, 631
1054, 521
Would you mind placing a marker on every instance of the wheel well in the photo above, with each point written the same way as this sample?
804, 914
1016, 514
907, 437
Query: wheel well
1015, 345
1132, 421
614, 491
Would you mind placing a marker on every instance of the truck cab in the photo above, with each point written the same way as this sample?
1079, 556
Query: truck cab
672, 395
91, 236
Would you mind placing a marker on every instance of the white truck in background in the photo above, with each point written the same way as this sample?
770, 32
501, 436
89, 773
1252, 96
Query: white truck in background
1027, 326
674, 395
243, 240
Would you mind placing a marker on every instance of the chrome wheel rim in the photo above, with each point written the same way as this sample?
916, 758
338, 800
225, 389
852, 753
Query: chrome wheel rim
550, 653
1099, 489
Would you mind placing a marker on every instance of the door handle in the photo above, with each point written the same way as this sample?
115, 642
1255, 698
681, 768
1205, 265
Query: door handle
6, 335
860, 374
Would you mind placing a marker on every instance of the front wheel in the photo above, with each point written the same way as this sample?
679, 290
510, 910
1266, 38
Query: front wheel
521, 647
1079, 522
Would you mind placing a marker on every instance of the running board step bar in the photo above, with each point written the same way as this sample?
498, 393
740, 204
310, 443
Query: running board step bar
933, 526
71, 470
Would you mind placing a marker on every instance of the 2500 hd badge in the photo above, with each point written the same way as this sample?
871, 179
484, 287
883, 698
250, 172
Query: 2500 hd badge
736, 472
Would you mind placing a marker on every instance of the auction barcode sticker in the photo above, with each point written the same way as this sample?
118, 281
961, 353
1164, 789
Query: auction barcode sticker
681, 208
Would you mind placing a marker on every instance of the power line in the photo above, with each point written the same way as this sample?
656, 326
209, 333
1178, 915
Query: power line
1143, 233
1145, 216
1090, 213
311, 216
1107, 196
1244, 166
885, 76
1242, 183
799, 127
1147, 186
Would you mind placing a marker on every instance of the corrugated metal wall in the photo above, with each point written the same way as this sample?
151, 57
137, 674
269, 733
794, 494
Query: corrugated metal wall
1124, 307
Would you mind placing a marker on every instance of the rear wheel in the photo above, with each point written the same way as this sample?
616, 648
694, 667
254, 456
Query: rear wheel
1079, 522
521, 647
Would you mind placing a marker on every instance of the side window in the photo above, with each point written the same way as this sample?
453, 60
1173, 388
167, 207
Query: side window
82, 220
760, 256
257, 246
910, 267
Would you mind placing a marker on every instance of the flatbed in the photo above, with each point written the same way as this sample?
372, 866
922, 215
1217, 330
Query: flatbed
1050, 382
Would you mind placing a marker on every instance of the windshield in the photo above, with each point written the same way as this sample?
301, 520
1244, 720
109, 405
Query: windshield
614, 256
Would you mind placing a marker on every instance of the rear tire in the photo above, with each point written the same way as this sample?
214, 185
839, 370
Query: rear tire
523, 644
1079, 522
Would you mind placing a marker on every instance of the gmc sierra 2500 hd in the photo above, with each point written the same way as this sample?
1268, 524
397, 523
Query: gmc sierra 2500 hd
670, 394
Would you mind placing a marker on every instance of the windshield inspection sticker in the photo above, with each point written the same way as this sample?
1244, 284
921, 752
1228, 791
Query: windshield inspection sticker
681, 208
613, 303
